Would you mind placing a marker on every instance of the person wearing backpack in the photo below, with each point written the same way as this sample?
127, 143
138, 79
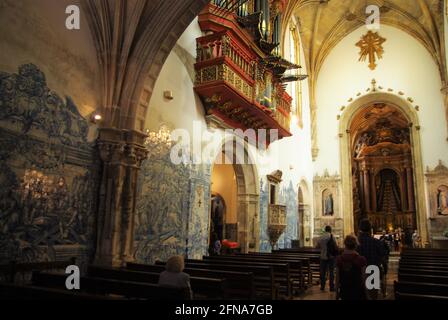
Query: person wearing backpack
350, 272
328, 252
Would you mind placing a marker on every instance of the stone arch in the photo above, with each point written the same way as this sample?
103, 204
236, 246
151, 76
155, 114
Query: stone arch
345, 152
133, 40
248, 196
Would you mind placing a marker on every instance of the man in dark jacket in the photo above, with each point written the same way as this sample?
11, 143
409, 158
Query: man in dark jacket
372, 249
327, 259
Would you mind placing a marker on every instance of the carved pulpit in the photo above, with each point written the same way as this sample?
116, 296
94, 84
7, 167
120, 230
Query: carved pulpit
276, 213
276, 223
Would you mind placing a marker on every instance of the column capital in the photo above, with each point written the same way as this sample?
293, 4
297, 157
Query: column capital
444, 89
125, 147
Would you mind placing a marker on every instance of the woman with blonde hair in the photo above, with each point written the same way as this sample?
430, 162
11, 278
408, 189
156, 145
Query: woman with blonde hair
174, 277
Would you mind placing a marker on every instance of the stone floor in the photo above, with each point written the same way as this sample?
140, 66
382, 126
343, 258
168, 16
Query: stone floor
315, 293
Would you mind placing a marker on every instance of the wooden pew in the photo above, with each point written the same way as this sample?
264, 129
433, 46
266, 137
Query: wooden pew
265, 287
412, 277
423, 264
417, 297
424, 258
312, 254
413, 270
299, 250
421, 288
287, 273
9, 291
304, 275
239, 285
280, 276
98, 286
422, 275
264, 284
425, 252
205, 288
10, 270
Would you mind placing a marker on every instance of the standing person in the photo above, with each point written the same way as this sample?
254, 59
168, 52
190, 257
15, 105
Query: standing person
328, 252
386, 247
396, 241
174, 277
217, 247
384, 239
350, 272
372, 249
408, 241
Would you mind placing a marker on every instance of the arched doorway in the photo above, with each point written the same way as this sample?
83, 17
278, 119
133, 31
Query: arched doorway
304, 225
382, 168
218, 221
235, 198
381, 162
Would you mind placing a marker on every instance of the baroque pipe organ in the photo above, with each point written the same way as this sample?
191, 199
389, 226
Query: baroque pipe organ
240, 76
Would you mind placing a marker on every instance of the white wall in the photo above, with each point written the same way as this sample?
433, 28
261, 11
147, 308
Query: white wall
406, 66
34, 32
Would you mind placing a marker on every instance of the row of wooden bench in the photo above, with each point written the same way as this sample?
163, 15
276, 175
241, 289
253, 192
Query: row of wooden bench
270, 276
9, 272
277, 275
422, 275
105, 283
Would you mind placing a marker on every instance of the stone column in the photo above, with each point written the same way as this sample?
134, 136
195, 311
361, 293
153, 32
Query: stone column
373, 189
444, 90
410, 186
121, 152
404, 198
362, 192
366, 190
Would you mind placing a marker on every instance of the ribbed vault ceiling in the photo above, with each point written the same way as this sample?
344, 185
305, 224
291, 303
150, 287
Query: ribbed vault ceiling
323, 23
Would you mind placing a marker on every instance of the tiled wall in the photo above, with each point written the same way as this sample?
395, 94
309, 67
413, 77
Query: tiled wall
172, 207
48, 173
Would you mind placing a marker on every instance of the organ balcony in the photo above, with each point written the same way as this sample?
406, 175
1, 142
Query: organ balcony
240, 85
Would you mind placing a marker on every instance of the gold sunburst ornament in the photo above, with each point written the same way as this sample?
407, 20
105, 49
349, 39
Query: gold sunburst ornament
371, 46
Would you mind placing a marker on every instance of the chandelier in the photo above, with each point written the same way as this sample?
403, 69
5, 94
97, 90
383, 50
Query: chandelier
159, 142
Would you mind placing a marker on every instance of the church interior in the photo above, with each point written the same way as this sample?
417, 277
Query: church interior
230, 133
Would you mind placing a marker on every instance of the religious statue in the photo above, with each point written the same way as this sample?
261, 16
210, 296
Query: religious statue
442, 201
328, 205
365, 140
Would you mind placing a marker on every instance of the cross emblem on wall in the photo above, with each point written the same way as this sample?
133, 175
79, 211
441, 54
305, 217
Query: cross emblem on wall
371, 45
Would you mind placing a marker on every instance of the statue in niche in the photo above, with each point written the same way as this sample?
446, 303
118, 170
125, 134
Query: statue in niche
442, 200
328, 204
